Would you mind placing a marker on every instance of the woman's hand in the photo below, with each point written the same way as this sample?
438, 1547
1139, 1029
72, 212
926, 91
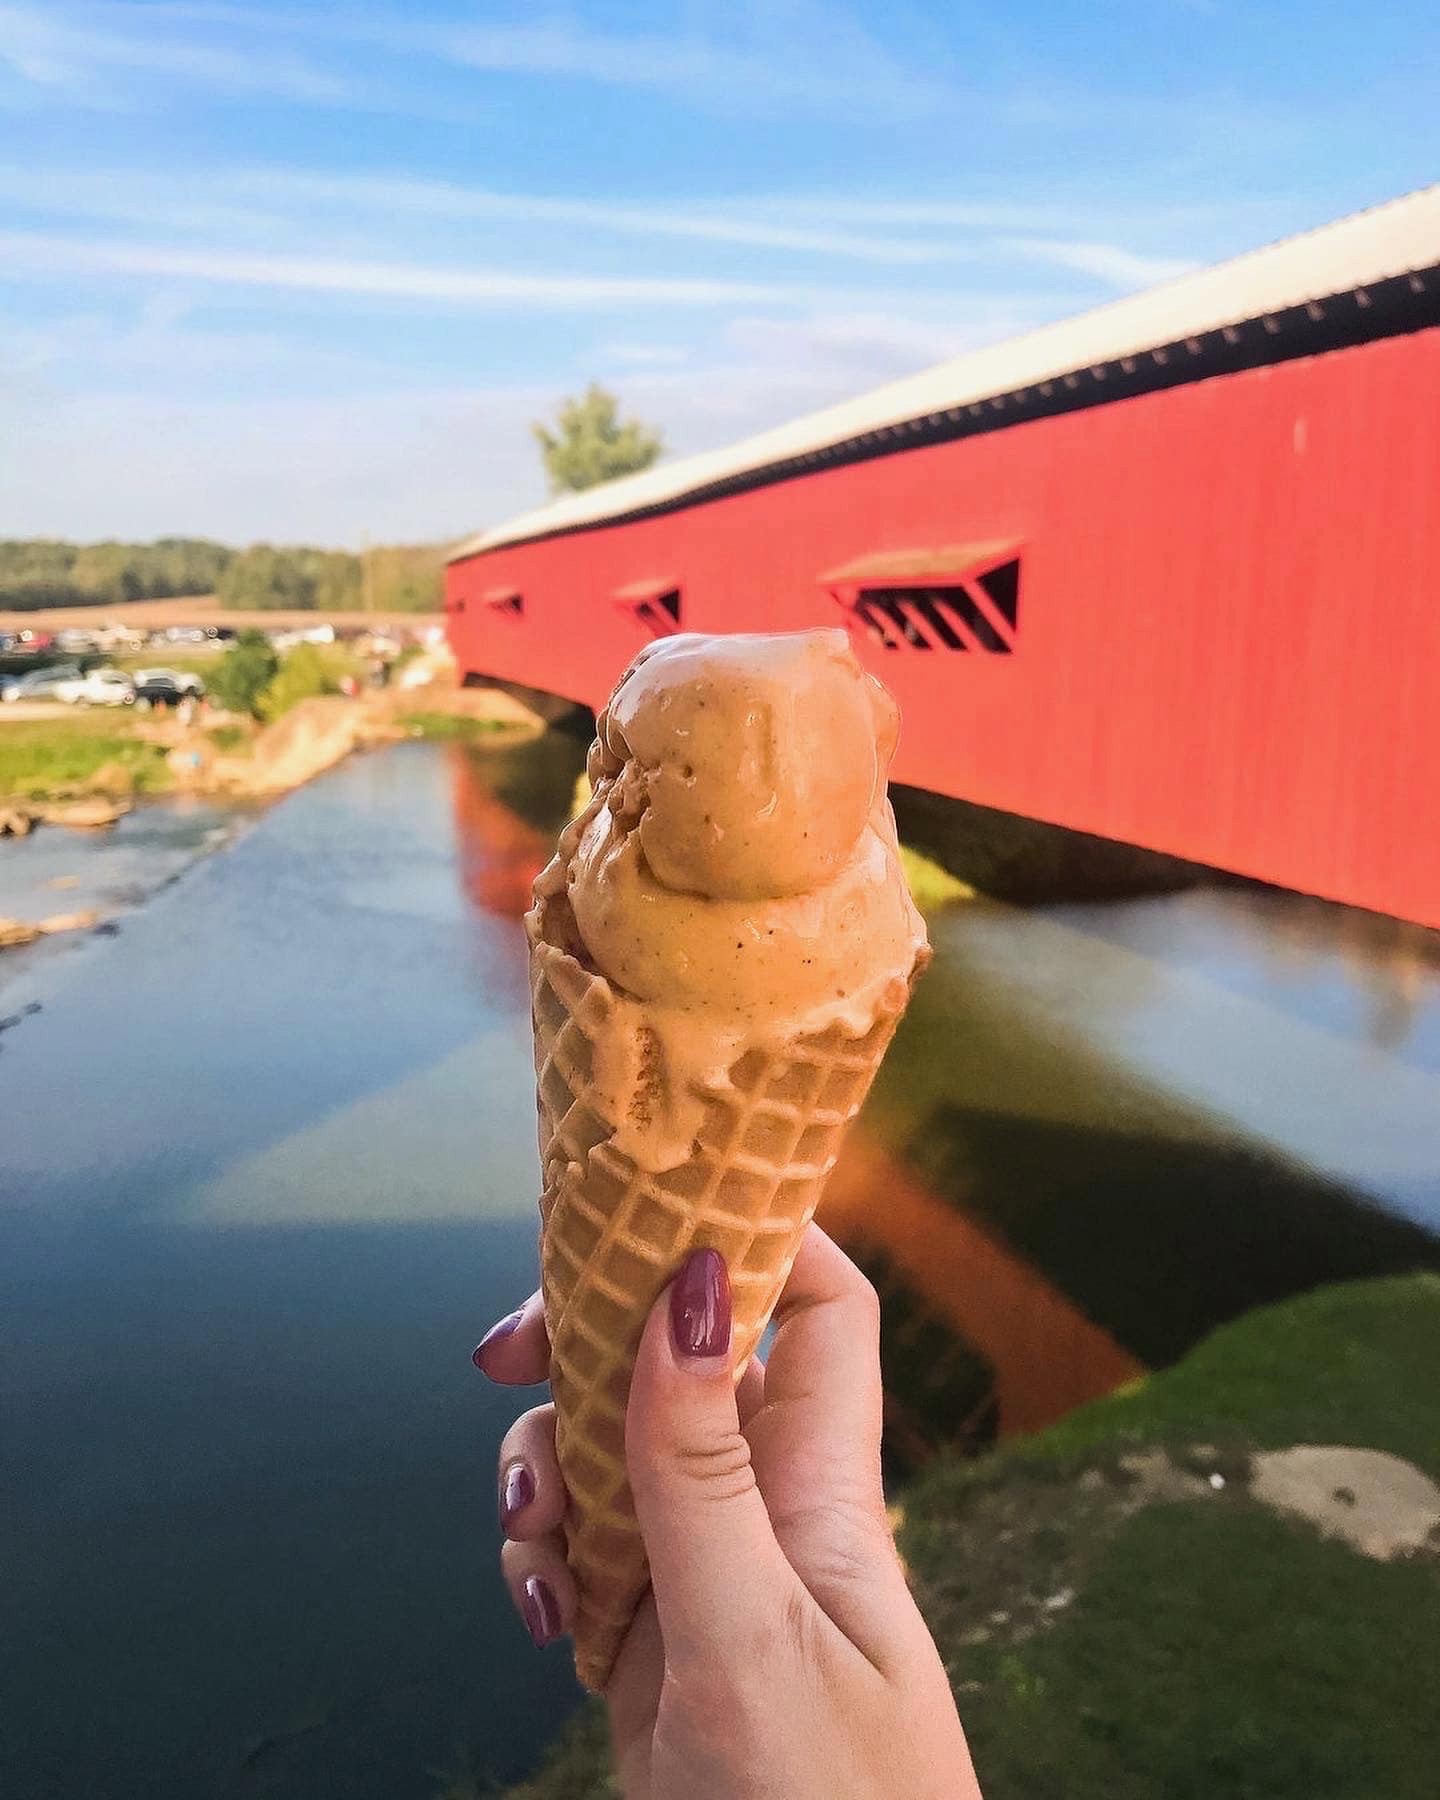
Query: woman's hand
780, 1653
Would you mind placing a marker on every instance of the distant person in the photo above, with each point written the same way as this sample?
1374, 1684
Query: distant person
780, 1651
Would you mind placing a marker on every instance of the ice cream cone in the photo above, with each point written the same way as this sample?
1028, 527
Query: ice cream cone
615, 1234
648, 1153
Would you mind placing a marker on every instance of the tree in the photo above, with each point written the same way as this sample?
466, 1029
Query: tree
406, 577
244, 672
304, 673
591, 445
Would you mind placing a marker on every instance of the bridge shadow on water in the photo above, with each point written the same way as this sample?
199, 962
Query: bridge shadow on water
1044, 1223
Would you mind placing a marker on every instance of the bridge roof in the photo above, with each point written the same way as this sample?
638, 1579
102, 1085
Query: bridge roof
1398, 239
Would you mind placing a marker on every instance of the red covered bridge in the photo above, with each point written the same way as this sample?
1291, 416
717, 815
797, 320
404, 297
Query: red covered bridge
1168, 573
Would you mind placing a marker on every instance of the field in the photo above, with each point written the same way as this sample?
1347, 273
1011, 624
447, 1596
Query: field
47, 758
1122, 1618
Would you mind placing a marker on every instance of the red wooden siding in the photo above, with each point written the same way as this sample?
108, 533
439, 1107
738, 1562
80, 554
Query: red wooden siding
1228, 638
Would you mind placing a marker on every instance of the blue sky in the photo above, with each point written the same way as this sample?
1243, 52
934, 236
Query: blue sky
271, 268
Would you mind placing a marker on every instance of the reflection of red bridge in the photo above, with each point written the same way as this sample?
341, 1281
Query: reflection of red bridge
1047, 1356
500, 853
1168, 573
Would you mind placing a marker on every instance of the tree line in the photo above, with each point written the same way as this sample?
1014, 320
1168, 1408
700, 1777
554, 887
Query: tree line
590, 444
36, 572
46, 572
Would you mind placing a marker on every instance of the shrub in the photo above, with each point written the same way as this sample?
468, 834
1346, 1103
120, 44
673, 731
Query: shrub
305, 672
244, 673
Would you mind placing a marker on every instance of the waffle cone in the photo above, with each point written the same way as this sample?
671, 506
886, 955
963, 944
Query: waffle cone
613, 1234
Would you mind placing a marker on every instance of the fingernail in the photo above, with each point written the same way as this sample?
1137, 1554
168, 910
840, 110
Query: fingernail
700, 1306
495, 1335
516, 1492
541, 1610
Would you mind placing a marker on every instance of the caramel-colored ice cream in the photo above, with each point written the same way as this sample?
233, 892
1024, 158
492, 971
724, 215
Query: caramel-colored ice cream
735, 877
719, 955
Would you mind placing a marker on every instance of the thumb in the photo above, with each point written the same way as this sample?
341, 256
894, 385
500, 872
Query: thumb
719, 1576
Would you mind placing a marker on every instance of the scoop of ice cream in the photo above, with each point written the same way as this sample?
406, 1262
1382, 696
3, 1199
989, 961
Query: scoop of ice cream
760, 759
741, 857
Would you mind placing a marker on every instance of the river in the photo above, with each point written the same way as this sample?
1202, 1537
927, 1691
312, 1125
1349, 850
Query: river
268, 1172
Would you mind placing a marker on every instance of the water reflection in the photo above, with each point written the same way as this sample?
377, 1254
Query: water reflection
938, 1263
1046, 1163
269, 1168
506, 802
1046, 1206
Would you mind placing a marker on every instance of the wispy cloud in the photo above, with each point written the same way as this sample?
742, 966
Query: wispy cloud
257, 198
259, 203
969, 236
776, 53
449, 200
1110, 263
174, 200
60, 51
760, 55
36, 253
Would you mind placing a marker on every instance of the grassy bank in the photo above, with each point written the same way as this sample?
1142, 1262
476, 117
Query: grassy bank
1122, 1617
446, 728
48, 759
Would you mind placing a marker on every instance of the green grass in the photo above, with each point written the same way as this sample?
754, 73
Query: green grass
229, 737
930, 885
1212, 1649
1353, 1363
1197, 1648
452, 727
188, 662
45, 759
1217, 1650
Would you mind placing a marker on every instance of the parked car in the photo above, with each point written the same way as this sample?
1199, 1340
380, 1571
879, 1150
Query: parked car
115, 638
160, 690
301, 634
39, 684
99, 687
183, 679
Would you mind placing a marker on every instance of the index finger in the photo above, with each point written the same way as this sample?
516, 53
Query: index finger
516, 1351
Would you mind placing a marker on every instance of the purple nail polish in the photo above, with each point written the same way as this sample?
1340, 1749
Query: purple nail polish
541, 1610
495, 1335
516, 1492
700, 1306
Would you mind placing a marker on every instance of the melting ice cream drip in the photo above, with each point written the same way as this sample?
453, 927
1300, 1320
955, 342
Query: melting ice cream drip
734, 877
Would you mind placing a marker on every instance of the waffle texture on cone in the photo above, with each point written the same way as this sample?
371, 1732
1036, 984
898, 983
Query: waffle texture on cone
720, 953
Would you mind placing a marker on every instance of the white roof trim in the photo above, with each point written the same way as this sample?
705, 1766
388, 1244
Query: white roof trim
1394, 239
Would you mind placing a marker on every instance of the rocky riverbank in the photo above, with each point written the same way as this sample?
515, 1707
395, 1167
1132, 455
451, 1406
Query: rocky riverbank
84, 773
